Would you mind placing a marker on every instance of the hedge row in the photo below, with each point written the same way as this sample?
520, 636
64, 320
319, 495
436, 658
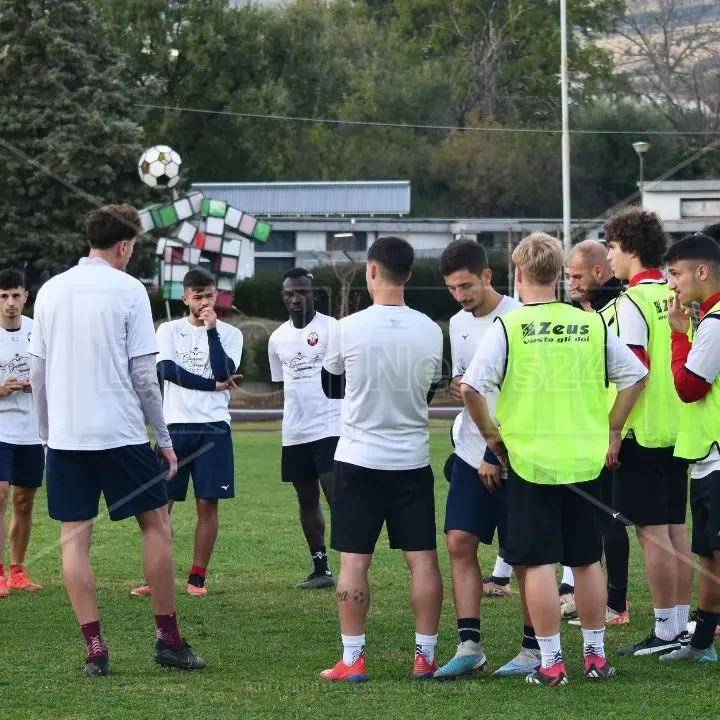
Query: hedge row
259, 296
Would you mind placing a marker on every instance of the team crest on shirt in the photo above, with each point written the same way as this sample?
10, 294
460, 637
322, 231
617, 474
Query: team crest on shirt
312, 339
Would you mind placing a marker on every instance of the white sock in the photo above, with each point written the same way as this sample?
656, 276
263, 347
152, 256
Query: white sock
425, 644
550, 650
682, 615
665, 623
568, 578
594, 642
501, 569
353, 648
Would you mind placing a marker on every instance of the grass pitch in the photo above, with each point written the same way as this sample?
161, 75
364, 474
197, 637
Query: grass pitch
265, 642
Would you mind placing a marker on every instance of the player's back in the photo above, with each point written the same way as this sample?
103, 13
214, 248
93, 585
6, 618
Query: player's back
92, 320
392, 355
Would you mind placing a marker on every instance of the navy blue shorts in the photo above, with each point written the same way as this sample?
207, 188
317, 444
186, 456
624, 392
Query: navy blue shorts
472, 507
130, 478
22, 465
205, 451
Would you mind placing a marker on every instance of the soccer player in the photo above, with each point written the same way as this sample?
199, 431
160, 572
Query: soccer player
551, 364
197, 361
651, 487
473, 513
694, 276
592, 284
22, 458
311, 421
389, 359
92, 371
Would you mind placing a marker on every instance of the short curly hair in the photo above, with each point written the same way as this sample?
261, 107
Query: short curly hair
110, 224
639, 232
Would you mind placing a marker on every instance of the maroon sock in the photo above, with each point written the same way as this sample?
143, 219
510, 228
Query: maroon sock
94, 640
167, 630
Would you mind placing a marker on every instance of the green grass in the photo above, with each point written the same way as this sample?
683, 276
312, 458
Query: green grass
265, 642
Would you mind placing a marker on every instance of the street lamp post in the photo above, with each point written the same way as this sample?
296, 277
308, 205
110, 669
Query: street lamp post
641, 148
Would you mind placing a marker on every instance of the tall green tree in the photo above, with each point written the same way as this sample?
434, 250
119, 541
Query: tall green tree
69, 137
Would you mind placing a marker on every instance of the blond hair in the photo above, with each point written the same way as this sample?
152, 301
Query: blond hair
540, 257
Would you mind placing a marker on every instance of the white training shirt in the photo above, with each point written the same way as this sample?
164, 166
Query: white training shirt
704, 360
466, 334
630, 321
187, 346
487, 369
18, 425
296, 356
390, 356
90, 321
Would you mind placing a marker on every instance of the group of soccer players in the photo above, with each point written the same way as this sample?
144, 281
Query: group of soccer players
579, 420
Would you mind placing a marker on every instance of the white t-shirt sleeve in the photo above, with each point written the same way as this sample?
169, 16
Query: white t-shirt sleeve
166, 350
276, 368
334, 361
624, 367
486, 371
36, 346
141, 338
233, 346
704, 356
632, 327
454, 350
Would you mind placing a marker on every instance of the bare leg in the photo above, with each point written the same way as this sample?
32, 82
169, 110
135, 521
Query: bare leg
427, 590
590, 596
312, 519
543, 601
685, 563
206, 531
465, 569
158, 562
77, 574
353, 596
661, 565
23, 500
4, 491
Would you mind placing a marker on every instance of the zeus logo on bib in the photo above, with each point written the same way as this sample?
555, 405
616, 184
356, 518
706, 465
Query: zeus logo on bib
552, 332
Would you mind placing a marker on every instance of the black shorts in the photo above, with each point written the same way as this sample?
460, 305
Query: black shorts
205, 451
651, 485
471, 507
306, 462
130, 478
22, 465
705, 506
364, 499
549, 524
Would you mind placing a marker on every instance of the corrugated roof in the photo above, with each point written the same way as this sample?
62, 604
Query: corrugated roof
682, 186
319, 199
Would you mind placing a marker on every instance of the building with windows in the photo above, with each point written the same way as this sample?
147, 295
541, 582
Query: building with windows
315, 223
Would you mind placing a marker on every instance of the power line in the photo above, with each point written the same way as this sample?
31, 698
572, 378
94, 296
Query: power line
420, 126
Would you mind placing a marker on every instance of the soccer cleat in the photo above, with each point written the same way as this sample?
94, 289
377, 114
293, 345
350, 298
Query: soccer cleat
4, 592
567, 606
183, 658
317, 580
469, 660
597, 668
555, 675
491, 588
196, 591
422, 669
142, 591
683, 638
525, 662
688, 653
651, 645
355, 673
611, 617
20, 581
97, 667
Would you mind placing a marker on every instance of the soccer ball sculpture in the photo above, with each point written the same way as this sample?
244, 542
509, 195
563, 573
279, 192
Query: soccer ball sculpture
159, 166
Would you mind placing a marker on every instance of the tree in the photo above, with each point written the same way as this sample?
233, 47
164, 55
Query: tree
69, 140
671, 50
504, 55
